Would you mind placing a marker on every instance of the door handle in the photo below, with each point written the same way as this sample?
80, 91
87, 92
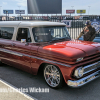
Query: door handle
13, 44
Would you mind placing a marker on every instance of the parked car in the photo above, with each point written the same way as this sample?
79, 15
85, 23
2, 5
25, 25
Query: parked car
35, 45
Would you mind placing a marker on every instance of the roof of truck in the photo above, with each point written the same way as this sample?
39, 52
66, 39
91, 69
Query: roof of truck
30, 23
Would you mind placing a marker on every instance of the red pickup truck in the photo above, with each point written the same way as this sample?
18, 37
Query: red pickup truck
34, 45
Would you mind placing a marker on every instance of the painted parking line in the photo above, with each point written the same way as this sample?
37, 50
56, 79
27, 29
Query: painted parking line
11, 87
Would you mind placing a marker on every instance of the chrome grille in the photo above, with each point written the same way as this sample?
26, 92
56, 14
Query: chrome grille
91, 67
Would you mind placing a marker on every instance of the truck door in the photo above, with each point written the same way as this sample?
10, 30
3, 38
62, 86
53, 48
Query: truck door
22, 47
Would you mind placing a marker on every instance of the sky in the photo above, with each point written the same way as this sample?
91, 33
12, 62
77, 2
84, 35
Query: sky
92, 7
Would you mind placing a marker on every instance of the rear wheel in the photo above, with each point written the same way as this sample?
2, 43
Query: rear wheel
53, 76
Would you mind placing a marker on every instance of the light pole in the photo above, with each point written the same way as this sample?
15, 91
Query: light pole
27, 12
89, 9
6, 15
19, 11
0, 10
72, 9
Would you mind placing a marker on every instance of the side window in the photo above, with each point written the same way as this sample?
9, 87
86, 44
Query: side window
6, 32
23, 33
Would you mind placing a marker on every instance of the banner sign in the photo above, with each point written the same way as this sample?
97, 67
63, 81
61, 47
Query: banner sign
96, 24
70, 11
67, 22
8, 11
19, 11
81, 11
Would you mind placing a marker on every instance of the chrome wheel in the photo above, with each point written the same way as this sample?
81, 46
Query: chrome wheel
52, 76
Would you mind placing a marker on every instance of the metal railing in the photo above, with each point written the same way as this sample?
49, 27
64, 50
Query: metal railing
74, 26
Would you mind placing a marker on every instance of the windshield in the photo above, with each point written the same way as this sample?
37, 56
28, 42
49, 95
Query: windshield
51, 33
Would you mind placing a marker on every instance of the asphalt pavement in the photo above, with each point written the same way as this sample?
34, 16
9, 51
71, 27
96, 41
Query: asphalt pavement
20, 79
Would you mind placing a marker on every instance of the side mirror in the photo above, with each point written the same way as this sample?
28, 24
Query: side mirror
23, 40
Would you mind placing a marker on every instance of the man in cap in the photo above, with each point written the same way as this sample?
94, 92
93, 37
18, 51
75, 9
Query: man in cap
88, 32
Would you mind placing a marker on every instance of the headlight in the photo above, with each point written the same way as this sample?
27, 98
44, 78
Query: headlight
79, 72
79, 59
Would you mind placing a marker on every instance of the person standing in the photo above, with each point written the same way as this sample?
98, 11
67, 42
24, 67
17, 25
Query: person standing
88, 32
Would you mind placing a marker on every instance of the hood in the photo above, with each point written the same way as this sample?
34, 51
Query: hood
69, 50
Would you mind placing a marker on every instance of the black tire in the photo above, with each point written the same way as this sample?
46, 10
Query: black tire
53, 76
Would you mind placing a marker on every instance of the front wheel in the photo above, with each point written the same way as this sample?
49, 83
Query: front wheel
53, 76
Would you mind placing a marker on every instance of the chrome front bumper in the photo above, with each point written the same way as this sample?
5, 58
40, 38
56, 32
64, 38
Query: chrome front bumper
83, 81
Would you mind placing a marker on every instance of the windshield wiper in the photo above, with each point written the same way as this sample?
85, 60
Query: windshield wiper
61, 38
65, 38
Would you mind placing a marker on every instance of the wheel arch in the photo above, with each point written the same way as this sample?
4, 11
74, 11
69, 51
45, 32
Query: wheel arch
41, 67
65, 76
